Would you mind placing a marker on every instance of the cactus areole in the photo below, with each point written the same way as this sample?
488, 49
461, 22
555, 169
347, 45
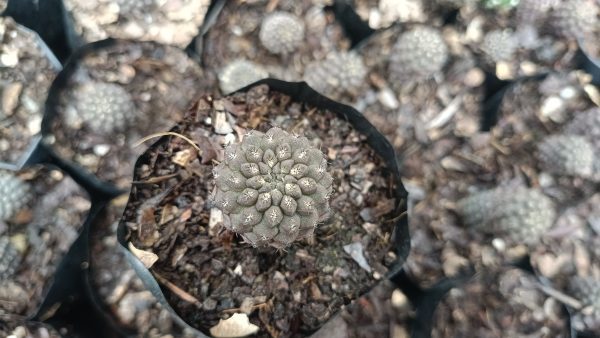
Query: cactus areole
273, 188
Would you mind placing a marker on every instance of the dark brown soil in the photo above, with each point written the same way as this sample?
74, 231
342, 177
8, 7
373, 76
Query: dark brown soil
162, 82
235, 36
42, 232
209, 274
118, 287
503, 303
26, 72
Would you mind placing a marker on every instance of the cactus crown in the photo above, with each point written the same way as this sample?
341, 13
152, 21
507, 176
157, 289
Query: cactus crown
281, 32
418, 53
566, 155
14, 195
499, 45
521, 214
575, 18
103, 107
274, 188
238, 74
339, 72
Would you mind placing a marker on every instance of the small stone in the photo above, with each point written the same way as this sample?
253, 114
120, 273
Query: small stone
355, 250
221, 125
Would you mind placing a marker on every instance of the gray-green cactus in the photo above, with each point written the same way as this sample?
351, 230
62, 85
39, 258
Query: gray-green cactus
575, 18
102, 107
14, 195
418, 54
586, 124
338, 73
499, 45
9, 258
281, 32
273, 188
521, 214
240, 73
566, 155
587, 291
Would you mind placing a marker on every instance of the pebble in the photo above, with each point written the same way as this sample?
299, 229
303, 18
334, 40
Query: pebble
355, 250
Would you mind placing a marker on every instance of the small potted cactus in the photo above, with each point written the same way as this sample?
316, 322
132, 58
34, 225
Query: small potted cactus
270, 228
111, 94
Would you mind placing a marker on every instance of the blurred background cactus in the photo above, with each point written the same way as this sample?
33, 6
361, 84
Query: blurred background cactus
418, 54
274, 187
281, 32
14, 195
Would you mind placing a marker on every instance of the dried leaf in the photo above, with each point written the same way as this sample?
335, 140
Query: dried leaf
237, 325
183, 157
146, 257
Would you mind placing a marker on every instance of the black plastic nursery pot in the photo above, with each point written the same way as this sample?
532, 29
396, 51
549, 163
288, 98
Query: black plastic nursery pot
202, 306
26, 78
43, 211
110, 95
588, 62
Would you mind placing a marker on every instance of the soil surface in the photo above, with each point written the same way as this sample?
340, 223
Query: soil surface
27, 68
41, 232
171, 22
208, 273
160, 81
501, 303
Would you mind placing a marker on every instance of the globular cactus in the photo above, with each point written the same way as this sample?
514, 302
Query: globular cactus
587, 291
586, 124
9, 258
338, 73
575, 18
273, 187
418, 54
281, 32
566, 155
521, 214
14, 195
103, 107
499, 45
240, 73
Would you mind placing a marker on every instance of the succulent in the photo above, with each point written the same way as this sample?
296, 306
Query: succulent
499, 45
9, 258
587, 291
338, 73
14, 195
566, 155
521, 214
586, 124
240, 73
418, 53
281, 32
103, 107
273, 187
575, 18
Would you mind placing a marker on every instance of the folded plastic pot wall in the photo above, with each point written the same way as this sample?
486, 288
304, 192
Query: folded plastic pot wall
302, 93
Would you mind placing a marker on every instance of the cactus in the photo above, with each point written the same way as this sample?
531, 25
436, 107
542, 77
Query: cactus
586, 124
14, 195
499, 45
281, 32
9, 258
274, 188
575, 18
103, 107
238, 74
566, 155
521, 214
418, 53
338, 73
587, 291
